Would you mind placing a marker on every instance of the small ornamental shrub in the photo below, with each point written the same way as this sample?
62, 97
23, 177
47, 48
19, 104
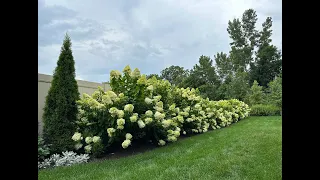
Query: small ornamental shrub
68, 158
43, 149
264, 110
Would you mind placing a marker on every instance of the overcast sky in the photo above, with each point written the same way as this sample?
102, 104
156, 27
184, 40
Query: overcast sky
148, 34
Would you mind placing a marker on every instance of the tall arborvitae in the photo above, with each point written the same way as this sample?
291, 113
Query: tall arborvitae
60, 109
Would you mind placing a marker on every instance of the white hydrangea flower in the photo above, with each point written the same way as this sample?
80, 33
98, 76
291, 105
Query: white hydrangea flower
189, 120
96, 139
129, 108
121, 95
88, 148
148, 100
142, 80
115, 74
157, 98
166, 123
172, 138
127, 70
184, 95
111, 131
194, 130
149, 113
135, 73
128, 136
88, 140
180, 119
126, 143
158, 109
176, 133
78, 146
172, 107
120, 127
113, 111
77, 136
121, 122
148, 120
159, 116
120, 113
161, 142
133, 118
197, 106
184, 132
141, 124
150, 88
159, 104
187, 109
202, 113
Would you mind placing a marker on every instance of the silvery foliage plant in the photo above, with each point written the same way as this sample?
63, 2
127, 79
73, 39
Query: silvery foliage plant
68, 158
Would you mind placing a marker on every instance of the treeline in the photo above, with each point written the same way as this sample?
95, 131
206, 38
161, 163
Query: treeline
251, 58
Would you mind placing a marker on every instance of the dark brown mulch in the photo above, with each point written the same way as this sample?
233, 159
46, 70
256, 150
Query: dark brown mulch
134, 149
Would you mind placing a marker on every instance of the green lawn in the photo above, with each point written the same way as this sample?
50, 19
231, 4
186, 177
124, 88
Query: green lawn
249, 149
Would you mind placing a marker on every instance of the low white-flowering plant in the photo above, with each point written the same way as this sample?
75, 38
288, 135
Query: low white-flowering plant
68, 158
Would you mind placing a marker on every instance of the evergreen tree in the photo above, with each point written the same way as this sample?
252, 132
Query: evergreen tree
60, 111
256, 95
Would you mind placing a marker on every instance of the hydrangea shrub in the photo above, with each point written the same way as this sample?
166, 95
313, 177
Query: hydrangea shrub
141, 109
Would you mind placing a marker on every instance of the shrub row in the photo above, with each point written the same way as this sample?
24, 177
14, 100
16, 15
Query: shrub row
140, 110
264, 110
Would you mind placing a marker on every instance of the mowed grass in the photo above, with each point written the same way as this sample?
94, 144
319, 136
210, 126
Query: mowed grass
248, 149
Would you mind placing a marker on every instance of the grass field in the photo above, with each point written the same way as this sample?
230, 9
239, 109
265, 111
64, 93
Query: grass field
249, 149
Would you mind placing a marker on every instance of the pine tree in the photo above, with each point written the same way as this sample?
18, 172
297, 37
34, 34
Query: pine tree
60, 109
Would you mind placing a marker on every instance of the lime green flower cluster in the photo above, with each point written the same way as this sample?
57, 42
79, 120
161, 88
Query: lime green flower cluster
77, 137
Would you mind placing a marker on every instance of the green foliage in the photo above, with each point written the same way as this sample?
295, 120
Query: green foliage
140, 110
238, 87
275, 92
204, 77
256, 95
60, 109
244, 37
43, 149
154, 75
264, 110
174, 74
223, 65
268, 62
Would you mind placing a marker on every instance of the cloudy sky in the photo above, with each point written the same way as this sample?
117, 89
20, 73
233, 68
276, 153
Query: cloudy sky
148, 34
